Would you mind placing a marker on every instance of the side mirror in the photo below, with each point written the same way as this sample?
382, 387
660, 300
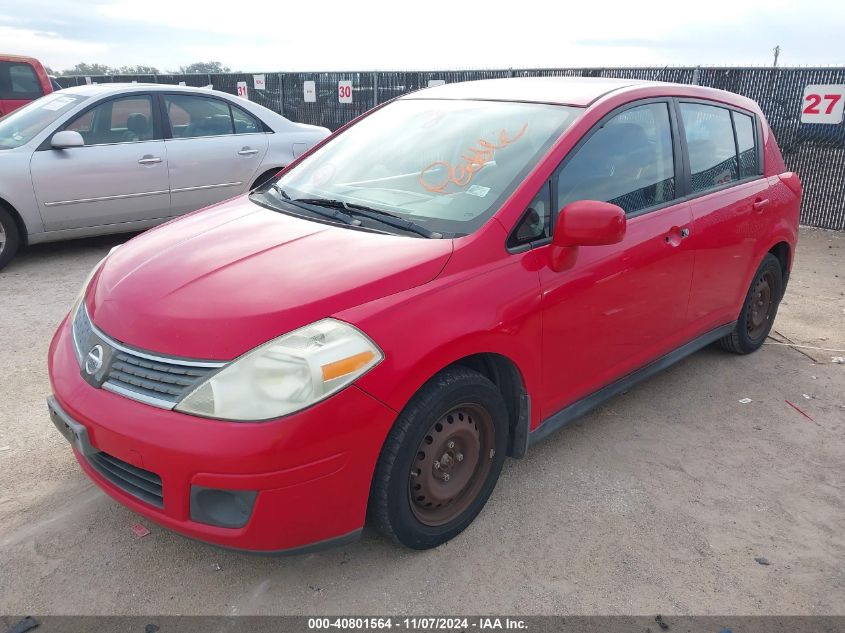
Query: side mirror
589, 223
67, 139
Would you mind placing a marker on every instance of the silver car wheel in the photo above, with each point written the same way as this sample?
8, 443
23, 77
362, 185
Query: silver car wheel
2, 238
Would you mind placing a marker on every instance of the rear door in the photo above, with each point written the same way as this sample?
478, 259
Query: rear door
19, 84
729, 203
622, 305
214, 150
120, 175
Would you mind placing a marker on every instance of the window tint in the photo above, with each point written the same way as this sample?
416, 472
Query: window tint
628, 162
19, 81
710, 141
244, 123
191, 116
534, 223
744, 126
125, 120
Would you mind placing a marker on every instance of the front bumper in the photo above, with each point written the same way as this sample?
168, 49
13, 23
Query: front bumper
311, 471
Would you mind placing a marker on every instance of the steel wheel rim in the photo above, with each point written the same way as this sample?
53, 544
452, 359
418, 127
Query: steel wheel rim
2, 238
451, 464
762, 304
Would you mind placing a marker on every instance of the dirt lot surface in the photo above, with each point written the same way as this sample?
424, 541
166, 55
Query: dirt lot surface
659, 502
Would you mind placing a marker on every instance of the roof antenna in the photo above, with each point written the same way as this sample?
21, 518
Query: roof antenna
776, 49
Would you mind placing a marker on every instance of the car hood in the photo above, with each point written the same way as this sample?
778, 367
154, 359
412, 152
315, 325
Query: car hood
220, 282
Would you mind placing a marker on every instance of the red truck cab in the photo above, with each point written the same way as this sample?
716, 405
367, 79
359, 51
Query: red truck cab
22, 79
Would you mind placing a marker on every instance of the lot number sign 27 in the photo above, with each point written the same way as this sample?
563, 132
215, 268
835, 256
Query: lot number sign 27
823, 104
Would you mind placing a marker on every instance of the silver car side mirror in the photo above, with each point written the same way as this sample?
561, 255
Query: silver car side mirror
66, 139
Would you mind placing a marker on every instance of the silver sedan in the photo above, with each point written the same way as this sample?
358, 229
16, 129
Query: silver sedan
112, 158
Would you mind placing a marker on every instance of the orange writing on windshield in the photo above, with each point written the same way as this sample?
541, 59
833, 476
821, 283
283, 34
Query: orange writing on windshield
471, 162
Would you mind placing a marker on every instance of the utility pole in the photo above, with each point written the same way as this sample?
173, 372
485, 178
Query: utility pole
777, 54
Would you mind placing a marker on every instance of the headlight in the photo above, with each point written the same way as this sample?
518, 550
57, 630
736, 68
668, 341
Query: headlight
285, 375
88, 279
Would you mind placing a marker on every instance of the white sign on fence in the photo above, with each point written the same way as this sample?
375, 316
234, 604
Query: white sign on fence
88, 80
242, 90
182, 83
309, 91
258, 82
436, 82
344, 91
823, 104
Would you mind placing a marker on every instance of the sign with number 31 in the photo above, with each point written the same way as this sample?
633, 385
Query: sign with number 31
823, 104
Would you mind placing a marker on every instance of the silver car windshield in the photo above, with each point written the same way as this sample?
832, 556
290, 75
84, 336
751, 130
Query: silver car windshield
22, 125
443, 164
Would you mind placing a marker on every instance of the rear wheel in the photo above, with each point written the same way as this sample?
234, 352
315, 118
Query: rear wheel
9, 237
441, 460
759, 310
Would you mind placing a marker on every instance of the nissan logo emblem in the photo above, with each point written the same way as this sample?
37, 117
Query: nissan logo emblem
94, 360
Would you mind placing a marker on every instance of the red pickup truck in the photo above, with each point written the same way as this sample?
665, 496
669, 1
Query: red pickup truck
22, 79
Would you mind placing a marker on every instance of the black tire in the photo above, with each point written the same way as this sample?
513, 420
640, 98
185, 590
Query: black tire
755, 320
392, 510
10, 239
264, 178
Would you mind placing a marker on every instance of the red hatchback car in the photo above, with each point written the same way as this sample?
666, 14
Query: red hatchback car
441, 283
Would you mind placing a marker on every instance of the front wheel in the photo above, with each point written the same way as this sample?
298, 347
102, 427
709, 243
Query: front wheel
9, 237
441, 460
758, 312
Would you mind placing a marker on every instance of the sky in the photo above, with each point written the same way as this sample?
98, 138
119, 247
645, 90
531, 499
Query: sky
257, 35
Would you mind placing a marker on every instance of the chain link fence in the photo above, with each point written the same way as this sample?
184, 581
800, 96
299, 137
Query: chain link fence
815, 151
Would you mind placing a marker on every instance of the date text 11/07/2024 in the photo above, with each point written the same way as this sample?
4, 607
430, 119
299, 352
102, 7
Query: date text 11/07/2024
417, 624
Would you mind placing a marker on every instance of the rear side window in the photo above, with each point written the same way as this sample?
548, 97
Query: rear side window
244, 123
746, 145
628, 161
710, 142
19, 81
192, 116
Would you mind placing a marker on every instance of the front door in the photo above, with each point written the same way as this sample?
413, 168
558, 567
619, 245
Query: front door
120, 175
618, 306
215, 151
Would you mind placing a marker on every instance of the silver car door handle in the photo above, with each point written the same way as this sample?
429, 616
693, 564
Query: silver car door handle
149, 160
246, 151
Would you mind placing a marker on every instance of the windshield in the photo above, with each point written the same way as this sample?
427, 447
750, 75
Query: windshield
445, 165
23, 124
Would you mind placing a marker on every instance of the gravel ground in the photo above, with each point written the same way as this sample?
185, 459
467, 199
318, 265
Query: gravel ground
659, 502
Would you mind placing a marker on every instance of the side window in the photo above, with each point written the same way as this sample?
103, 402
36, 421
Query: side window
628, 161
746, 145
19, 81
244, 123
193, 116
534, 223
124, 120
710, 142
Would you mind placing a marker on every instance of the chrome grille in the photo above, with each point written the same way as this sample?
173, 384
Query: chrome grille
154, 379
136, 481
136, 374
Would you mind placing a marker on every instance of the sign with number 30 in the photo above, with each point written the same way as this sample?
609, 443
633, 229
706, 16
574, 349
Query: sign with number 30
823, 104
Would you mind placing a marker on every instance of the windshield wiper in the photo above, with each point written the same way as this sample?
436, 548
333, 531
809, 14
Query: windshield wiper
373, 214
318, 209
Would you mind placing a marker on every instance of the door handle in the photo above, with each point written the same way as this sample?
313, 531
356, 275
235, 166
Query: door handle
760, 204
149, 160
677, 234
246, 151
